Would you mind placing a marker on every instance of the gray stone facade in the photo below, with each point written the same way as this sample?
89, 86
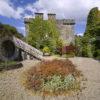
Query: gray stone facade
65, 27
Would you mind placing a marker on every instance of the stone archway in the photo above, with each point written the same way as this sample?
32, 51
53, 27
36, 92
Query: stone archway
8, 48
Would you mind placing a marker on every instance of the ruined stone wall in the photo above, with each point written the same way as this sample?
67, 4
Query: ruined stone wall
27, 21
65, 27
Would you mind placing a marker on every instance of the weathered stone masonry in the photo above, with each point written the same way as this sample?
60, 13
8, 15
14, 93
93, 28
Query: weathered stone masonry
65, 27
12, 48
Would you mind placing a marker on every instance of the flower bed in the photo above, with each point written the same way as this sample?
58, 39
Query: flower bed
53, 77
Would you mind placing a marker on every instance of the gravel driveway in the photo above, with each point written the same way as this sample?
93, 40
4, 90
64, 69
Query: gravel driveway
12, 89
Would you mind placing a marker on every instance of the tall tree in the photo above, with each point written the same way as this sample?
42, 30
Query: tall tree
43, 33
92, 33
92, 19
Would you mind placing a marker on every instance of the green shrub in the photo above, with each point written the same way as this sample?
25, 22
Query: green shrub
97, 54
57, 83
46, 50
71, 54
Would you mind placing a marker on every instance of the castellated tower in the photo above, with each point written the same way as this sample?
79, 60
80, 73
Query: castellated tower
40, 15
65, 27
51, 16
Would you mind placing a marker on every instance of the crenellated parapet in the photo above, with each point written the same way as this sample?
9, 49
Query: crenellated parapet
51, 16
66, 21
28, 20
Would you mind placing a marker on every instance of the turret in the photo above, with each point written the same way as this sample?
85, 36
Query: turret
51, 16
40, 15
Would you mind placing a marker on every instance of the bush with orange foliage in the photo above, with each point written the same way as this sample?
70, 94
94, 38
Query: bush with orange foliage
44, 71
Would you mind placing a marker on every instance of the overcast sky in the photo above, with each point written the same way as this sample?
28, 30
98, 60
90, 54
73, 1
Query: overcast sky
13, 12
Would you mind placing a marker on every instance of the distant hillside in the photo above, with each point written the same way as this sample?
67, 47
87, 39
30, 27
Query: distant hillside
9, 30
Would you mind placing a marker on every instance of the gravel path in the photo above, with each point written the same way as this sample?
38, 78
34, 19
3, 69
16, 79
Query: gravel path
91, 70
12, 89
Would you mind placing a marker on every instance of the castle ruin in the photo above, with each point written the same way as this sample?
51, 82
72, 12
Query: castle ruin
12, 48
65, 27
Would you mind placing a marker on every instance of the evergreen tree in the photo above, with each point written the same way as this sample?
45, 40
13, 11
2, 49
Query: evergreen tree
92, 33
92, 20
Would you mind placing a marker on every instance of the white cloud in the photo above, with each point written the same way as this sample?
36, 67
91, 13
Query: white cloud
80, 34
6, 9
30, 7
77, 9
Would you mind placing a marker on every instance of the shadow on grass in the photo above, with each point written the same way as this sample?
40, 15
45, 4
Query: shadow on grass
11, 67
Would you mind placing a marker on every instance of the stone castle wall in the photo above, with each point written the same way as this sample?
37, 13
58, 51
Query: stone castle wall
65, 27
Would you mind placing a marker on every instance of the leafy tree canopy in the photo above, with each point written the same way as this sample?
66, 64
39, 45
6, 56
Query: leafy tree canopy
93, 20
43, 33
92, 33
